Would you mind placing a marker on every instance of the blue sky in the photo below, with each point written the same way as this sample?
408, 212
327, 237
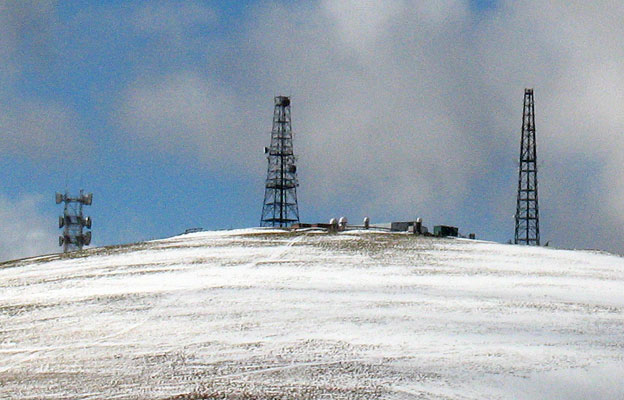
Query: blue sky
161, 109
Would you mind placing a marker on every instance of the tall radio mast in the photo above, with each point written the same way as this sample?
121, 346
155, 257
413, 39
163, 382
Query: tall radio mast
527, 209
280, 196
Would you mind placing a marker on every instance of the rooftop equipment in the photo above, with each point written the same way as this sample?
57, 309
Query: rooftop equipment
342, 223
445, 230
400, 226
418, 228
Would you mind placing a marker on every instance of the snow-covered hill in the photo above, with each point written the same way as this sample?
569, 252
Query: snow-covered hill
270, 314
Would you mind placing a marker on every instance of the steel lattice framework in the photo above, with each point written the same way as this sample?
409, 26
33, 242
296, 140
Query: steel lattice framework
73, 221
280, 196
527, 209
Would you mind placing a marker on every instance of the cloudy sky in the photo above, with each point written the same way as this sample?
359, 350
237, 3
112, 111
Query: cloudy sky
401, 109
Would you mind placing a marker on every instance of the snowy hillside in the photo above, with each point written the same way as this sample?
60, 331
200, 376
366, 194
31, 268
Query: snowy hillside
267, 314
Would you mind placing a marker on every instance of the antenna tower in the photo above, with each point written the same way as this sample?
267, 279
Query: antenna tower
73, 222
527, 210
280, 196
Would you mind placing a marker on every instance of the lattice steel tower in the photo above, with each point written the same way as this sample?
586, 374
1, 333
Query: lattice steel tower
73, 222
527, 209
280, 195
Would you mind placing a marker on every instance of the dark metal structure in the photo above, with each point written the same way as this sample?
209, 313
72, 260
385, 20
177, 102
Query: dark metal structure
73, 222
445, 230
527, 209
280, 197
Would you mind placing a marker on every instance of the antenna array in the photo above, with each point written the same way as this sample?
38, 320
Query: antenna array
73, 222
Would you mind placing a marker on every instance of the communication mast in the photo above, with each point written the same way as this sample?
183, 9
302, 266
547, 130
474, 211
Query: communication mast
73, 222
280, 196
527, 210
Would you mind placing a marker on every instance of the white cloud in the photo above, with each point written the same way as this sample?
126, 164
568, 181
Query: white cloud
185, 114
41, 130
25, 31
25, 230
34, 127
360, 22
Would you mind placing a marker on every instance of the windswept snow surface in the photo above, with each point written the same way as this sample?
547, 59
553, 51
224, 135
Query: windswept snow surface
271, 314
